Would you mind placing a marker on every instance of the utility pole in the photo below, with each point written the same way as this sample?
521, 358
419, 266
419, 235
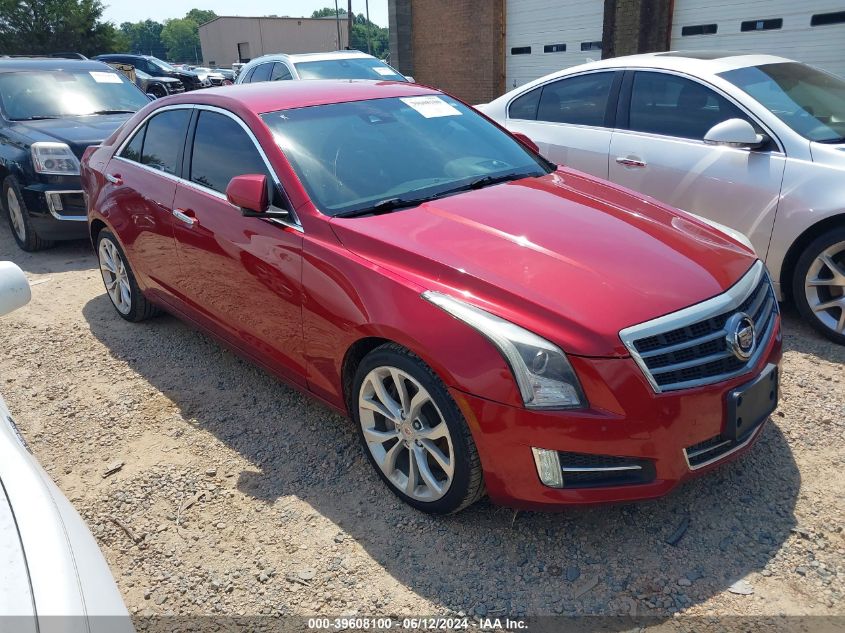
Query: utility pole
349, 26
367, 8
337, 22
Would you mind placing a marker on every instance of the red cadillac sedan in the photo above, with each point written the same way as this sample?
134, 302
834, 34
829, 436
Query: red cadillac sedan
494, 324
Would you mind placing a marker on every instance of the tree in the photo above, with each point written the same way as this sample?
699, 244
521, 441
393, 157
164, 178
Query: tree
327, 12
200, 16
144, 37
38, 27
181, 38
379, 41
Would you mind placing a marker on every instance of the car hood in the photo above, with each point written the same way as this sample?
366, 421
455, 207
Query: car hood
16, 595
78, 132
573, 258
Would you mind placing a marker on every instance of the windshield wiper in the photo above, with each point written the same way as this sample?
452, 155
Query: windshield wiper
385, 206
486, 181
113, 112
37, 117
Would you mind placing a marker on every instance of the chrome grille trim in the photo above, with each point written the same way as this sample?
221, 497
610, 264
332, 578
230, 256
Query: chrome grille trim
762, 308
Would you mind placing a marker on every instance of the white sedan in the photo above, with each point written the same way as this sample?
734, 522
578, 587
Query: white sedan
755, 142
53, 576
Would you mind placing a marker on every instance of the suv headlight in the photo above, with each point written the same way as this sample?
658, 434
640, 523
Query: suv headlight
542, 372
54, 158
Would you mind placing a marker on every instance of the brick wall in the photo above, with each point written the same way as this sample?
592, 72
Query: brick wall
636, 26
458, 47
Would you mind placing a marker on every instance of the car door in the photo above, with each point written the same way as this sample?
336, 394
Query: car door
240, 276
141, 184
570, 119
658, 149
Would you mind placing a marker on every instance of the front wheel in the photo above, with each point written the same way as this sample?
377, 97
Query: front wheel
819, 284
121, 287
19, 221
413, 432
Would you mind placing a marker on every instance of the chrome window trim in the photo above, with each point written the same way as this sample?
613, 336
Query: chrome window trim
728, 300
296, 224
56, 214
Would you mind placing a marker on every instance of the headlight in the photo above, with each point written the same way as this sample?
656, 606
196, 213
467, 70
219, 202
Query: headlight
541, 370
54, 158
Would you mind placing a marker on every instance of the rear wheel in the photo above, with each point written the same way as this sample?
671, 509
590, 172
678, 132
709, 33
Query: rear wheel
121, 287
19, 221
819, 284
413, 432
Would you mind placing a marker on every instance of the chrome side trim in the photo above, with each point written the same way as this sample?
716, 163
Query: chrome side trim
728, 300
751, 437
296, 225
56, 214
599, 469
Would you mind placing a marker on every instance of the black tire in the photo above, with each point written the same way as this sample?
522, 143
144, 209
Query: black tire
140, 308
467, 485
29, 240
802, 269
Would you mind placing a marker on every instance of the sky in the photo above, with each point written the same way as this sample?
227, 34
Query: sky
118, 11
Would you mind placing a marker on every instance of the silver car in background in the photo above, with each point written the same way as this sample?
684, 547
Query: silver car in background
754, 142
332, 65
53, 576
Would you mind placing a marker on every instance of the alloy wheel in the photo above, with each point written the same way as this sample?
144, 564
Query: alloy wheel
115, 276
16, 214
824, 287
406, 434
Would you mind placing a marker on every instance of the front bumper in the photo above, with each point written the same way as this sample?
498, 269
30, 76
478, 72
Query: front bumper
626, 418
57, 212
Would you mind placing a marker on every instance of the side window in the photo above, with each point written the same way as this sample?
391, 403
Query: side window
674, 106
164, 140
222, 150
262, 72
280, 72
248, 75
525, 107
580, 100
132, 150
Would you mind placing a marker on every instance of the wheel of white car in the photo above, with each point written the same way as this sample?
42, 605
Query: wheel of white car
413, 432
121, 287
819, 284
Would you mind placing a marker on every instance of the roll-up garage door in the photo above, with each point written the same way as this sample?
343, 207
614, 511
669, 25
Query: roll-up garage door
542, 37
812, 31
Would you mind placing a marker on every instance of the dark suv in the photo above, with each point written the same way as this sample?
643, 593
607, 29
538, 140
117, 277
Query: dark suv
157, 68
51, 110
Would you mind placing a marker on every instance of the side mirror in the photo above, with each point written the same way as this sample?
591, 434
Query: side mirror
735, 133
14, 288
522, 138
410, 78
250, 193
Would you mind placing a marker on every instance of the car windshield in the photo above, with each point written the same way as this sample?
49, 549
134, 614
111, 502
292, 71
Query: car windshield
352, 68
155, 61
46, 94
382, 154
809, 101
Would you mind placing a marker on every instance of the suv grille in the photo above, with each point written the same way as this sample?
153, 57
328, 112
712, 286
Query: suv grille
690, 348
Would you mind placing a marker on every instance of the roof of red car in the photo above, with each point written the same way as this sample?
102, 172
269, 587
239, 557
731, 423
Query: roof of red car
269, 96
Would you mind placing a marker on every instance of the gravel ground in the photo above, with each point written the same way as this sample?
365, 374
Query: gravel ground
239, 495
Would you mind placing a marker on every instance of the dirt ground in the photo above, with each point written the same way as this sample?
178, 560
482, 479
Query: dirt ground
239, 495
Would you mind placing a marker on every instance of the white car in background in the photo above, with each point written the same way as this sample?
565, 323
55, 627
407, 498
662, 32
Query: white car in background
754, 142
334, 65
53, 576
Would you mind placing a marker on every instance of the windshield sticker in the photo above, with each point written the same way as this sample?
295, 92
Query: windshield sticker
105, 77
431, 107
383, 70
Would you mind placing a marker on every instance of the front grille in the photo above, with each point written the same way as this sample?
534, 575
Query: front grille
176, 88
584, 470
690, 348
716, 447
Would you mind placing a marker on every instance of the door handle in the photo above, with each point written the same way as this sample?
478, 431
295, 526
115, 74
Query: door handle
630, 161
184, 216
115, 179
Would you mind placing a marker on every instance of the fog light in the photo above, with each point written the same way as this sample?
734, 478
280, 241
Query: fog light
548, 467
56, 202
